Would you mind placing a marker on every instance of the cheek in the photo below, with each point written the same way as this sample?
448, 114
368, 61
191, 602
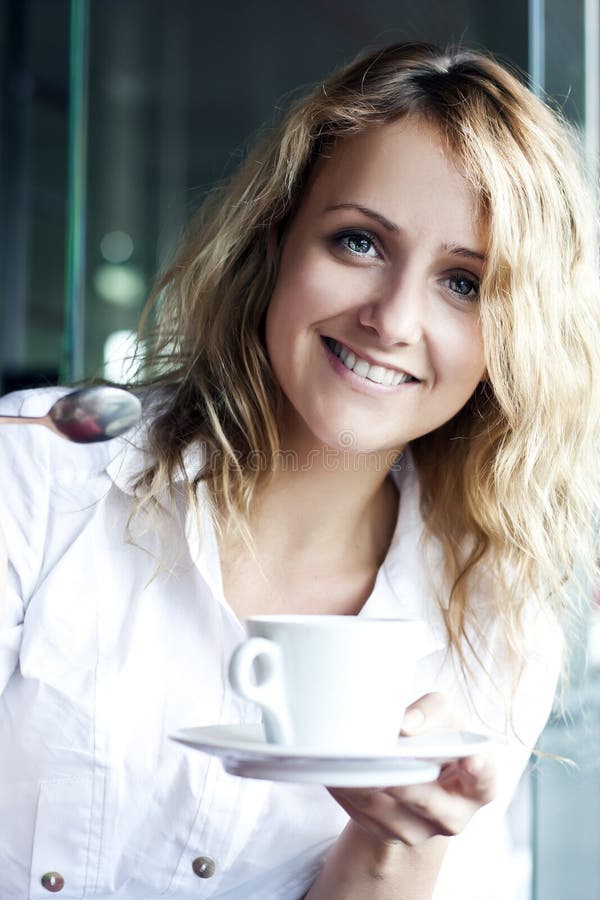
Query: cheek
274, 333
459, 352
477, 352
311, 288
282, 308
282, 326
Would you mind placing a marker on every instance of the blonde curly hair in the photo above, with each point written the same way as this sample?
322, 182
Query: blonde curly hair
510, 484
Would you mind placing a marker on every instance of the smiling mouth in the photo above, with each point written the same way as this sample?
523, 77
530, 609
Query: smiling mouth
364, 369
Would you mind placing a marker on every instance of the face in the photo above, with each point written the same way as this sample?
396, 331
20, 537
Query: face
373, 328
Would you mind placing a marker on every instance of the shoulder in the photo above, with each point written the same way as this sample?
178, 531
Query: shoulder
37, 466
35, 455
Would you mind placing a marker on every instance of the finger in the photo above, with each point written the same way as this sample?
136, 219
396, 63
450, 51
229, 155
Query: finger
379, 814
449, 804
473, 776
411, 829
414, 813
438, 815
433, 710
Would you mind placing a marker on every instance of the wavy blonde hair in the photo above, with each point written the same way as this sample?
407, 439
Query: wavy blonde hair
510, 483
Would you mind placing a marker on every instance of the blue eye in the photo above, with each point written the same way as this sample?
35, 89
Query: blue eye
463, 285
357, 243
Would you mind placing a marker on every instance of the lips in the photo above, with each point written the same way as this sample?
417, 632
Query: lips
368, 369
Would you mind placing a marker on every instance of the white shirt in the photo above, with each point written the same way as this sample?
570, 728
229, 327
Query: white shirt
104, 652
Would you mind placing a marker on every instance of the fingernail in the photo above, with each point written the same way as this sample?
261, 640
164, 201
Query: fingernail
413, 719
474, 765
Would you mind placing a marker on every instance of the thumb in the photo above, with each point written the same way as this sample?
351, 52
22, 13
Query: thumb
432, 710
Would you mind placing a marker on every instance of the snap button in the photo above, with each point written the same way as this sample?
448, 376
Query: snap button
204, 867
53, 882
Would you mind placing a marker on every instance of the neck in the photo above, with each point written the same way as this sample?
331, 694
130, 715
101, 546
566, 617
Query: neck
325, 502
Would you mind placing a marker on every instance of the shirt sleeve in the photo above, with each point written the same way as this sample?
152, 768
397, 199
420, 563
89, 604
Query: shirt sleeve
478, 859
24, 478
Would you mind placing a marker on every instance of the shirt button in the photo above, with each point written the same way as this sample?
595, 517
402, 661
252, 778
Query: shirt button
204, 867
53, 882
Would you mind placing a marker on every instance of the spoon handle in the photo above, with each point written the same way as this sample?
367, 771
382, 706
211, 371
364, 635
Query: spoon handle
22, 420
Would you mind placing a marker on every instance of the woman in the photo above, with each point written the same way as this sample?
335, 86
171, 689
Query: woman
370, 390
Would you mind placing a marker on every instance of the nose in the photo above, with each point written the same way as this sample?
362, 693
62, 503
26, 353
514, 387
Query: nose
396, 313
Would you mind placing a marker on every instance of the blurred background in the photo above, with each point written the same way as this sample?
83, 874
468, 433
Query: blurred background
116, 117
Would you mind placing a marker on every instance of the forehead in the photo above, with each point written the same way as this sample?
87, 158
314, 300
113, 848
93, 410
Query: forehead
398, 169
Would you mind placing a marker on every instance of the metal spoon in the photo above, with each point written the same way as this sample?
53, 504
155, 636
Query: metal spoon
87, 415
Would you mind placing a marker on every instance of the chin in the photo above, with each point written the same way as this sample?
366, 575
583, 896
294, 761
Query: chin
350, 441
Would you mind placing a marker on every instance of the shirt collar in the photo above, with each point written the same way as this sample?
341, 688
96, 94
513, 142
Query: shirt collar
133, 456
402, 588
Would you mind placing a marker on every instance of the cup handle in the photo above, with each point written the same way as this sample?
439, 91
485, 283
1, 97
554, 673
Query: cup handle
268, 691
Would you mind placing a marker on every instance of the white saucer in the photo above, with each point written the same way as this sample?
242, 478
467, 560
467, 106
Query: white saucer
244, 751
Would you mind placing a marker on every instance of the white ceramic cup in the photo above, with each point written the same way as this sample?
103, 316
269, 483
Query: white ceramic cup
330, 684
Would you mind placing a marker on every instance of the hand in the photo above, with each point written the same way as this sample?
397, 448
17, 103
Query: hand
415, 813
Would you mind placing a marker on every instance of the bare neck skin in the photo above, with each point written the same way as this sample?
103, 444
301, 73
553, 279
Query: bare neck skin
325, 518
325, 500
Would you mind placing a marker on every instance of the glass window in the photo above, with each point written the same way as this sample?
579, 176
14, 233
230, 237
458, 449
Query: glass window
169, 96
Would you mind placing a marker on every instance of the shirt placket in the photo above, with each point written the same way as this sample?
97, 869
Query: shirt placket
229, 805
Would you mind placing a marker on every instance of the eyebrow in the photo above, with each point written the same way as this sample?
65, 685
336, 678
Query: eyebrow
450, 249
455, 250
370, 213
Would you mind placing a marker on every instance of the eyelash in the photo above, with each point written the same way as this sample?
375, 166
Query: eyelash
459, 275
362, 235
357, 235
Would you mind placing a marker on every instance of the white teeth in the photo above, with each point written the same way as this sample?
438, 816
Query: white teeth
361, 367
376, 373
